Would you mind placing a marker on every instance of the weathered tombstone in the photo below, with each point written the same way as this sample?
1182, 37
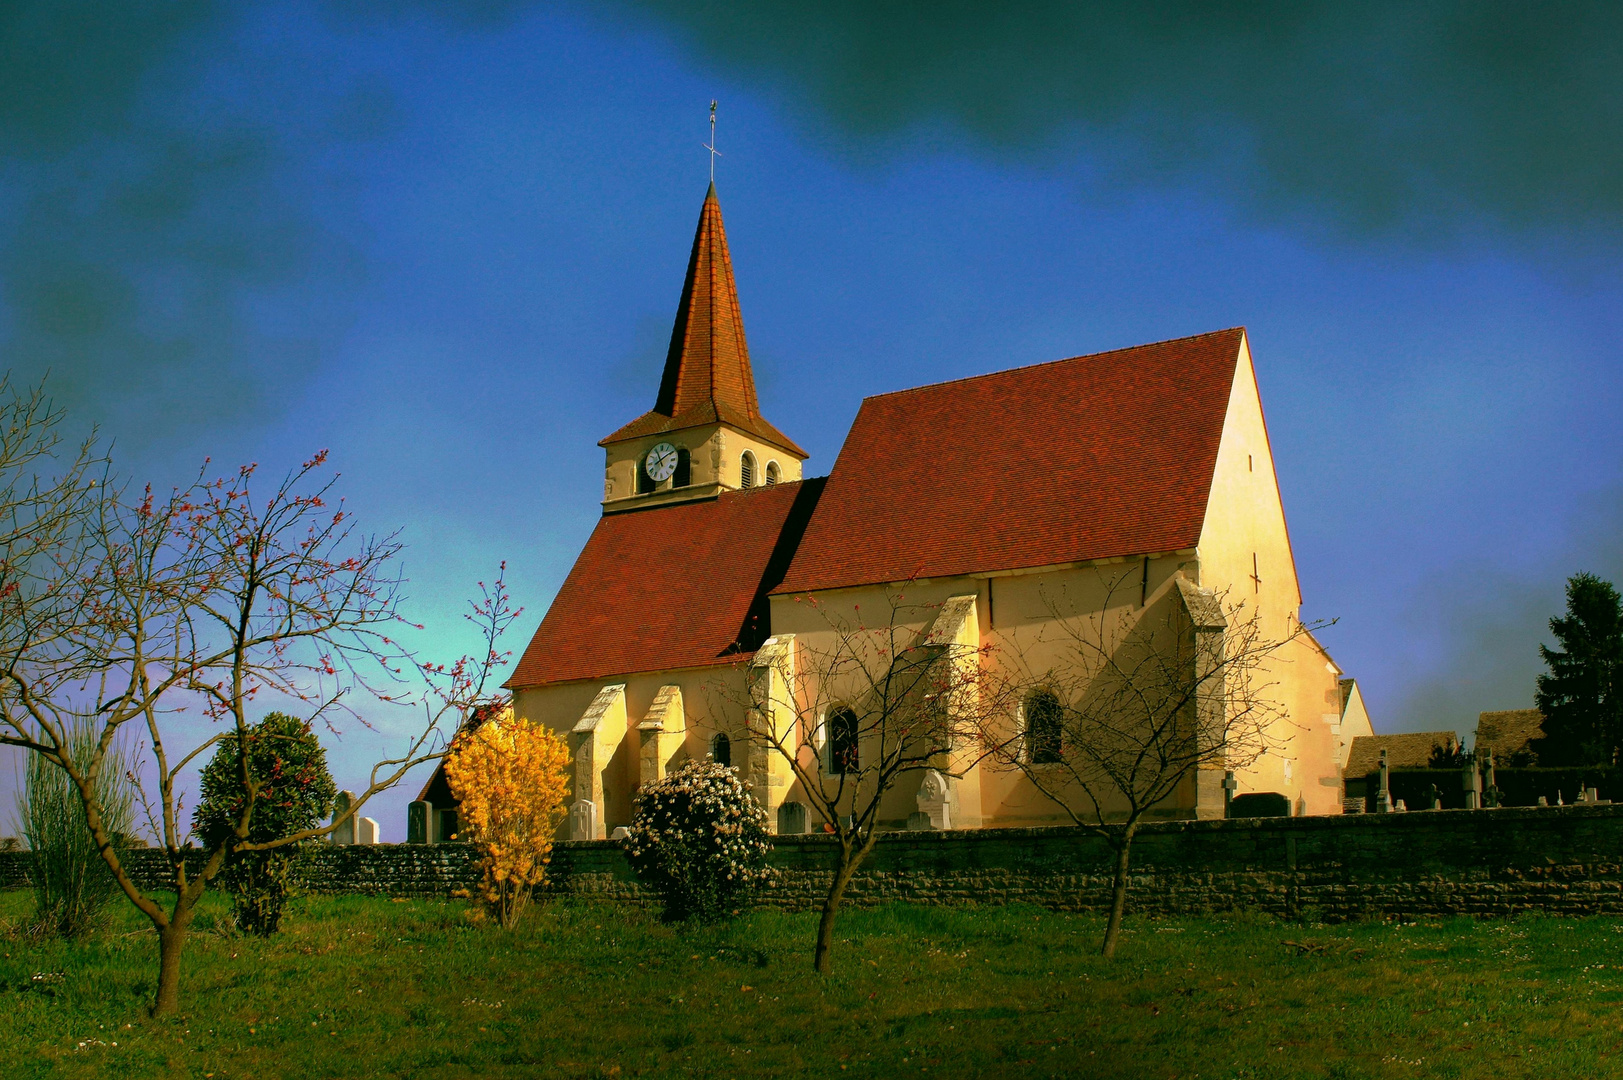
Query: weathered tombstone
1471, 781
791, 819
1230, 786
934, 797
1436, 797
344, 834
1383, 793
417, 822
620, 832
1544, 800
1400, 807
583, 820
366, 831
919, 821
1594, 795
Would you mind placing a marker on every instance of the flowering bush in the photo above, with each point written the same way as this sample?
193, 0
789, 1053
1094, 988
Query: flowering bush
296, 791
699, 840
510, 777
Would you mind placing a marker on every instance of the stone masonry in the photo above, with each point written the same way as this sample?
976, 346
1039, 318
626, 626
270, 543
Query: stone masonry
1566, 860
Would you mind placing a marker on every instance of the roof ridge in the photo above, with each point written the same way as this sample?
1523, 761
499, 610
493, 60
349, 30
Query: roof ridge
1062, 360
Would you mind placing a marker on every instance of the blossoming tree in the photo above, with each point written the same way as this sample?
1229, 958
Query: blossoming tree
511, 778
700, 840
172, 616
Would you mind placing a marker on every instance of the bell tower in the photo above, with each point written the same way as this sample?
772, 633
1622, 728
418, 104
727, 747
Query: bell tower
705, 434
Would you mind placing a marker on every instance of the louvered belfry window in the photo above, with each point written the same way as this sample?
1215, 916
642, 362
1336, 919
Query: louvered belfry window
771, 473
684, 469
746, 471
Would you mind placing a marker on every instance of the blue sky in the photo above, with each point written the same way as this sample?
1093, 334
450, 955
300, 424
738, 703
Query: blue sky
446, 242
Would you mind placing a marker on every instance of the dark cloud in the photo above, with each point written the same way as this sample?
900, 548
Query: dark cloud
1370, 117
149, 215
165, 246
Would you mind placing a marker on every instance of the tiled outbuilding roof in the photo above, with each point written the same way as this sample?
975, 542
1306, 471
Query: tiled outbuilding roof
1508, 733
1088, 458
676, 586
1411, 750
707, 377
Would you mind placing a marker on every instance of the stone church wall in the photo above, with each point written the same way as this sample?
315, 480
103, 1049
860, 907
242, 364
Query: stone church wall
1566, 860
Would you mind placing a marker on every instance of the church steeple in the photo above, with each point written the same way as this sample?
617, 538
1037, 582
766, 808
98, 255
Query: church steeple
708, 360
707, 378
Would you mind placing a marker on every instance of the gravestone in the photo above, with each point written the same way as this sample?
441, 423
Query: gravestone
1383, 794
344, 834
366, 831
1471, 781
583, 820
791, 819
1230, 786
919, 821
417, 822
934, 798
620, 832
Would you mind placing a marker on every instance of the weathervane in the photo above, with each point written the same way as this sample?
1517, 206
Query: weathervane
711, 145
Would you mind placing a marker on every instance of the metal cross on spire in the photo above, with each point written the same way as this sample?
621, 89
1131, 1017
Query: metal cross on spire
711, 145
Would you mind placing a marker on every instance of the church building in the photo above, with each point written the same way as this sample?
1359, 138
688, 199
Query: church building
983, 497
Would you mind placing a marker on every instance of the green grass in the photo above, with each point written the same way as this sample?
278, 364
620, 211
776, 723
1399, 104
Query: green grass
360, 987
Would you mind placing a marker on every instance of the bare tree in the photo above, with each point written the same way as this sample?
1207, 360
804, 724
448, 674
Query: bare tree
850, 712
1136, 710
172, 616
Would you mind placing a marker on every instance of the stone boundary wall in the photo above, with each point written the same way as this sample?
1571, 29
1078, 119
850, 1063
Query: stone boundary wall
1566, 860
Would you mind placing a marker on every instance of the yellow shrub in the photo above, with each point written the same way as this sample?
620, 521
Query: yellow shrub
511, 778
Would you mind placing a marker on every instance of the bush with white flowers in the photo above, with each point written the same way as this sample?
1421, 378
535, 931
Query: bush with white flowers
699, 840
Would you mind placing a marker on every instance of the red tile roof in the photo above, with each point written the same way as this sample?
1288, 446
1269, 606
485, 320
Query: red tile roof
707, 370
1088, 458
676, 586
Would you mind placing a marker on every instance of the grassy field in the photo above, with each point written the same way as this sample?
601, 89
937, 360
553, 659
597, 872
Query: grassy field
360, 987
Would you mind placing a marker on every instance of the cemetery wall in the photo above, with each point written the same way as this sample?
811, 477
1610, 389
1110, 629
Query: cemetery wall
1566, 860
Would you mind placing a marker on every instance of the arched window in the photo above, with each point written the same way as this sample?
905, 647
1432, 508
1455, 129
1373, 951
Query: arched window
843, 755
645, 483
772, 475
684, 469
721, 749
1045, 720
746, 470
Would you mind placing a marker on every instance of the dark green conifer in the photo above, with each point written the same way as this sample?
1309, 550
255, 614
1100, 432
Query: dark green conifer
1582, 696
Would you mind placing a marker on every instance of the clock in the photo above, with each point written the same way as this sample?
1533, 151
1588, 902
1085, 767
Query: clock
660, 462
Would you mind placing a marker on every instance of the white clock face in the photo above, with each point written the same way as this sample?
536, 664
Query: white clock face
660, 462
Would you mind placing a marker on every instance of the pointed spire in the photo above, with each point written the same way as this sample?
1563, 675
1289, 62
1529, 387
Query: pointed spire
707, 376
708, 361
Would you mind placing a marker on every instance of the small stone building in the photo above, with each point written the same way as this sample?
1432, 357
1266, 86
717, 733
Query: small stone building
1509, 735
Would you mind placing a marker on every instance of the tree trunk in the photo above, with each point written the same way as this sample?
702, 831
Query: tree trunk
1118, 895
850, 859
171, 942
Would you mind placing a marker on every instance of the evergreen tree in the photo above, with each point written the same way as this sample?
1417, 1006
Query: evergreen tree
296, 791
1582, 696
